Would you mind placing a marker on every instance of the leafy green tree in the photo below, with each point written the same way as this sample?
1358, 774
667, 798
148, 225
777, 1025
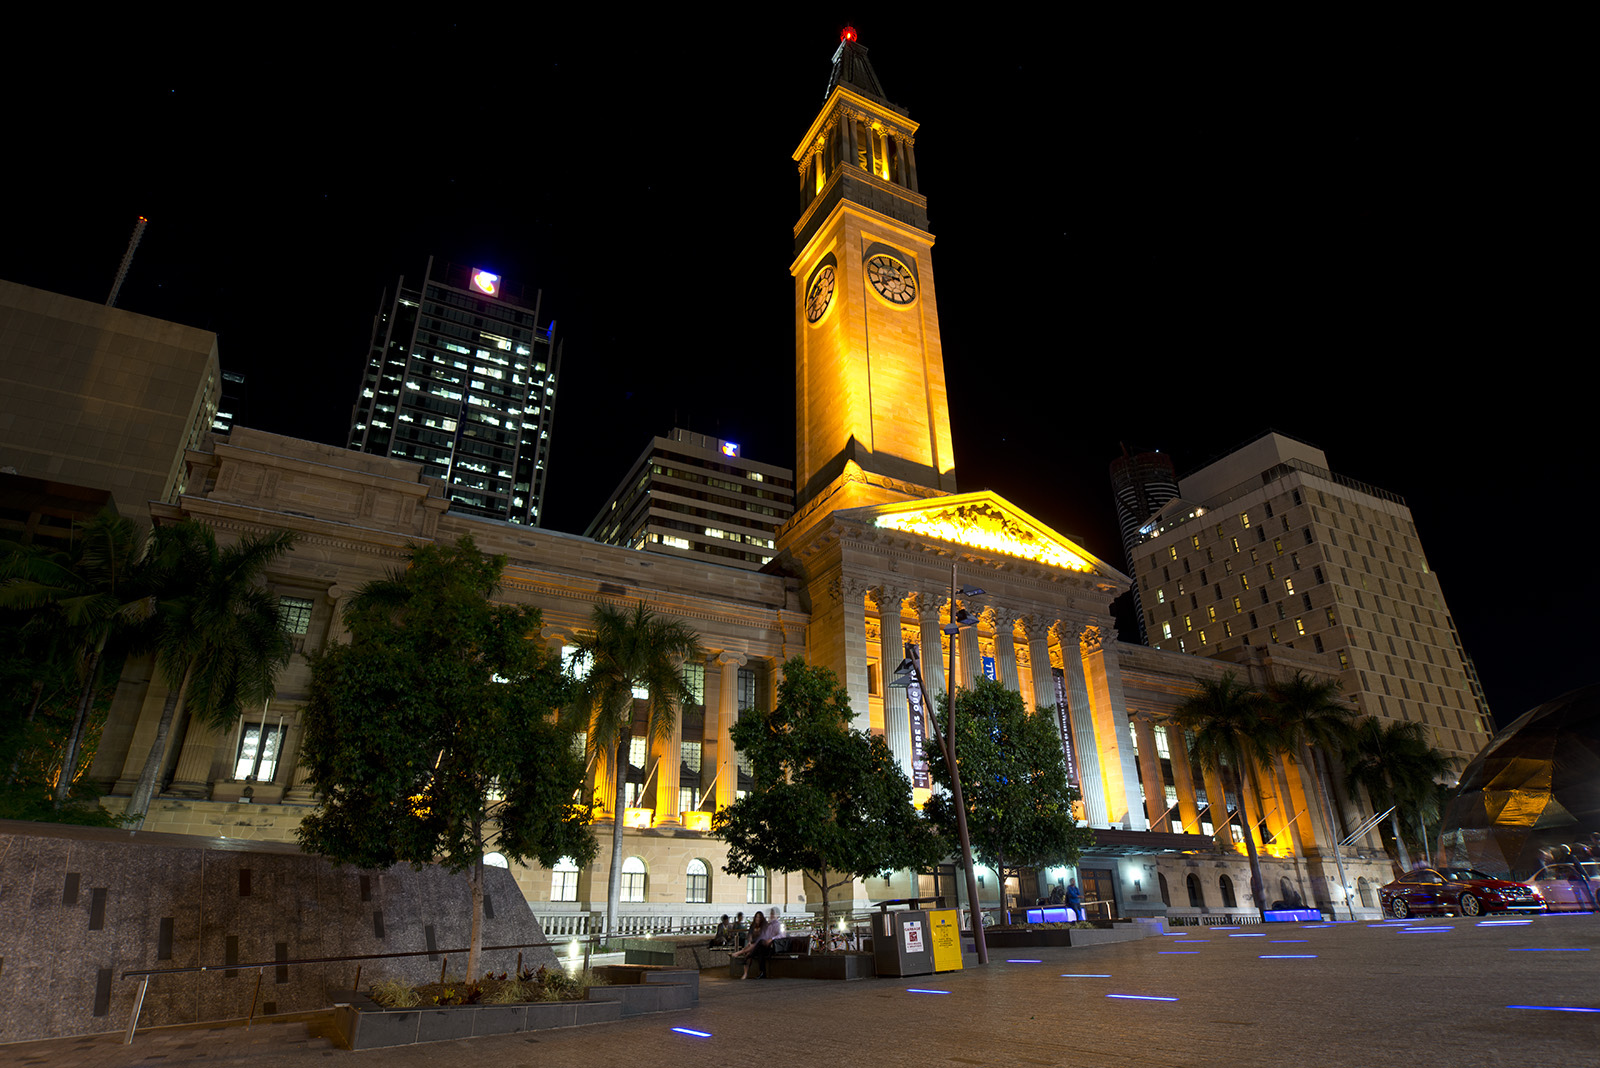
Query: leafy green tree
1013, 781
625, 652
431, 735
78, 605
826, 800
1395, 762
1232, 739
1307, 718
217, 633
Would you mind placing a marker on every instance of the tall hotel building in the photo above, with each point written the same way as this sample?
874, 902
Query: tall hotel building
461, 377
693, 495
1267, 546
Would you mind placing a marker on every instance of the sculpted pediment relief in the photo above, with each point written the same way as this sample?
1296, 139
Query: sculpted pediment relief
988, 522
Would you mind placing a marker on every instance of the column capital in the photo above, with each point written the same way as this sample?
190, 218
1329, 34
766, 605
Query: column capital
1096, 637
1034, 628
927, 604
884, 595
999, 618
735, 659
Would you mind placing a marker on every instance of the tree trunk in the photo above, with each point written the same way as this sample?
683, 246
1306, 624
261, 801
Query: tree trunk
614, 888
144, 792
1399, 843
475, 949
1258, 888
1000, 873
822, 882
69, 759
1327, 822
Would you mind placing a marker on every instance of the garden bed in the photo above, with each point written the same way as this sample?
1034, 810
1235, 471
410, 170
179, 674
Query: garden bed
365, 1024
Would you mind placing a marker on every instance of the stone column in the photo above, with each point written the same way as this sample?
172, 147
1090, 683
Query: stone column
727, 715
1155, 794
339, 597
969, 662
1104, 677
896, 711
851, 152
910, 164
193, 775
1005, 647
669, 764
1183, 779
1037, 635
1087, 743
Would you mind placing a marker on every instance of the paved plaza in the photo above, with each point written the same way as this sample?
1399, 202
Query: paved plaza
1432, 992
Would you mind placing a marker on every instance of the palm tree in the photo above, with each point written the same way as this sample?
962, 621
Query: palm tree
92, 594
1309, 720
621, 654
1225, 719
217, 634
1393, 760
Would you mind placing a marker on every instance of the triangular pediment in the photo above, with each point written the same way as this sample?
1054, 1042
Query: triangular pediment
986, 522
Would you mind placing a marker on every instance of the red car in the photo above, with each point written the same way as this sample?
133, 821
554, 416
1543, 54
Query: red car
1463, 891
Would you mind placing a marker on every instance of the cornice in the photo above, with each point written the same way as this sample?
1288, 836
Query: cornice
842, 95
876, 218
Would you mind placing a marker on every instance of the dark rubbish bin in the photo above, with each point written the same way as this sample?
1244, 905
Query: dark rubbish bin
900, 943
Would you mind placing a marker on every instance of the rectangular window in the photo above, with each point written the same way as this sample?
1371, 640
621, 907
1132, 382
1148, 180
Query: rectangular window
1211, 614
1244, 521
564, 881
1166, 632
699, 890
633, 881
1299, 626
690, 755
686, 798
295, 614
1288, 585
872, 681
755, 884
257, 756
639, 750
694, 677
747, 690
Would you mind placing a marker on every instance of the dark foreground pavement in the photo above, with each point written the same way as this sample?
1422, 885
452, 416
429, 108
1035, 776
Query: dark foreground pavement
1439, 992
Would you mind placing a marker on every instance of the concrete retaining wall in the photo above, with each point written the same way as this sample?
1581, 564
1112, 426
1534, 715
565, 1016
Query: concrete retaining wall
80, 906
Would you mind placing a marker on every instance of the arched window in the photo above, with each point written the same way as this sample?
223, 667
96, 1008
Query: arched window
495, 860
1197, 897
756, 888
699, 891
1228, 900
564, 880
633, 877
1363, 888
1166, 896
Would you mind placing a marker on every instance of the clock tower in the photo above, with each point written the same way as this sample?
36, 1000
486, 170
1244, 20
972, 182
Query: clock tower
872, 419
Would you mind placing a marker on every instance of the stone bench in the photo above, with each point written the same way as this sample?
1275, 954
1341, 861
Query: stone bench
676, 951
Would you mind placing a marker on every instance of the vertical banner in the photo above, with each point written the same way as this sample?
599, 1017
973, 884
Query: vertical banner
988, 669
919, 757
1064, 716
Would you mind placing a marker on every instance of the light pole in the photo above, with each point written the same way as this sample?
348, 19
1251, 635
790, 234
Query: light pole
911, 666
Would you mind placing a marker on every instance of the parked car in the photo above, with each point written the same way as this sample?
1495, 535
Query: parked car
1463, 891
1562, 886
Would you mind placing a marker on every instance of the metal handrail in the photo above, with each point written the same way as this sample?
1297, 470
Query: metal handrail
146, 974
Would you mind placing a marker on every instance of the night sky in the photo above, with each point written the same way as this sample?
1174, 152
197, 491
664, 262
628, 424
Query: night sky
1170, 234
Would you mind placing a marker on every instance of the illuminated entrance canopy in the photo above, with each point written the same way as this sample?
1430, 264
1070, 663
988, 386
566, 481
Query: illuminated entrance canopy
987, 521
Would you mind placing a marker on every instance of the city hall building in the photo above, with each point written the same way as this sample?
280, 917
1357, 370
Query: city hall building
861, 571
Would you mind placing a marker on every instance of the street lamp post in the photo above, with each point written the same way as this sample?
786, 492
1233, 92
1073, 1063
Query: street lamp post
947, 744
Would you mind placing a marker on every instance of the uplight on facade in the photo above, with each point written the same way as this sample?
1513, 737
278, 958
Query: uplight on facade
637, 818
697, 821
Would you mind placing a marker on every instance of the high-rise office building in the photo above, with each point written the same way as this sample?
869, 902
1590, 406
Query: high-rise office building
1268, 546
1141, 483
692, 494
461, 377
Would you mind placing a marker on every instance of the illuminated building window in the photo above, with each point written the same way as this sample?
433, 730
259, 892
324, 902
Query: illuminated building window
1244, 582
747, 689
1272, 571
257, 756
1161, 598
1188, 624
1272, 631
295, 614
1194, 541
633, 879
1277, 543
690, 755
1299, 625
1173, 550
1238, 605
1166, 632
694, 677
639, 748
564, 880
1288, 585
1202, 642
756, 890
1211, 612
1227, 629
699, 883
1235, 542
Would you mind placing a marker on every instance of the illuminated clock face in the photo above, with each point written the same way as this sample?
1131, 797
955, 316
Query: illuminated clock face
892, 279
819, 295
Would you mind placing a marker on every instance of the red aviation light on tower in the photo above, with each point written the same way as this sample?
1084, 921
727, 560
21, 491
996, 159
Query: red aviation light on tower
485, 282
848, 34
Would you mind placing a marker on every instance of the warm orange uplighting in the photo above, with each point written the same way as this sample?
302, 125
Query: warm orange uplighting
697, 821
637, 818
984, 526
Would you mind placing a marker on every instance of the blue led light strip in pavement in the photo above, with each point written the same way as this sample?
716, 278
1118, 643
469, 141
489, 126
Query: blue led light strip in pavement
1179, 952
1013, 960
1521, 949
1079, 975
1424, 930
1286, 956
1139, 997
1549, 1008
1182, 941
1484, 923
1280, 941
918, 990
958, 757
697, 1034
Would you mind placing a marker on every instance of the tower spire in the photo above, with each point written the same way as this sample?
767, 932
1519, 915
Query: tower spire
852, 68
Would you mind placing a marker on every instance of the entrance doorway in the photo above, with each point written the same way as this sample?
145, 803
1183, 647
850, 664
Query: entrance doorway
1099, 885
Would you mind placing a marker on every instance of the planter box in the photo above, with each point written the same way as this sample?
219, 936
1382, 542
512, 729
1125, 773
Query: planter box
364, 1024
1065, 936
822, 966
